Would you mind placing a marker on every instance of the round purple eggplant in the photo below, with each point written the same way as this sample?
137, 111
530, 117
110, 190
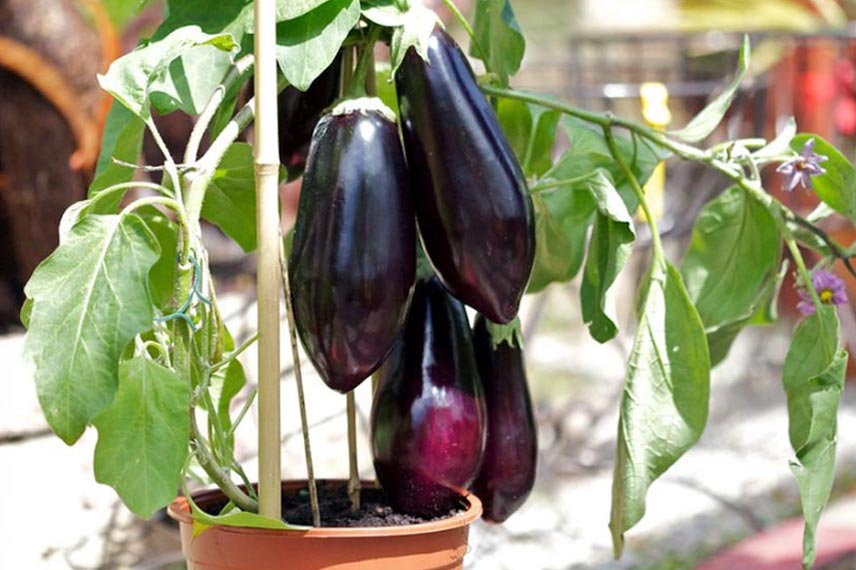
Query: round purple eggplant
353, 258
428, 415
507, 473
475, 215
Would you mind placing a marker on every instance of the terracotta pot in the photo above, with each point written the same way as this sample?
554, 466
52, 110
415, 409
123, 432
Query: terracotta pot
438, 545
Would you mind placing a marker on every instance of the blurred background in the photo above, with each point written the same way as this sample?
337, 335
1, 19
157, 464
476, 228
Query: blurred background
728, 503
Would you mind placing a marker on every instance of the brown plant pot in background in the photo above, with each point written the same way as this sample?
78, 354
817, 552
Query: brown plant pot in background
437, 545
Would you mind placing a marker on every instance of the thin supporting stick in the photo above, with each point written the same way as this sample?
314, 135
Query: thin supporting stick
354, 471
266, 158
298, 378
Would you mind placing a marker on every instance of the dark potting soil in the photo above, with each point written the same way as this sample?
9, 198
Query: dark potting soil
335, 505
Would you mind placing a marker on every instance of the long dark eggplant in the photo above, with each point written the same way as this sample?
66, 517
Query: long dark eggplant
475, 215
428, 416
299, 112
507, 474
353, 258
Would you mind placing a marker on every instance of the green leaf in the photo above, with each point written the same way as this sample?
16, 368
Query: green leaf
230, 201
707, 120
202, 521
531, 130
190, 80
122, 140
665, 403
26, 311
588, 151
813, 378
90, 298
143, 436
562, 217
498, 41
307, 45
735, 249
419, 23
384, 13
837, 188
163, 273
610, 246
133, 77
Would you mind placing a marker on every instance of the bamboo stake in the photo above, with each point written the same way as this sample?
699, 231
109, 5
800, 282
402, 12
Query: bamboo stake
266, 162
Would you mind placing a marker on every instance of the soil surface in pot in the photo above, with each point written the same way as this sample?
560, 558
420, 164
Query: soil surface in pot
375, 509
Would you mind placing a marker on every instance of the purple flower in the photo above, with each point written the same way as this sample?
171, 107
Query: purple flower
802, 167
829, 287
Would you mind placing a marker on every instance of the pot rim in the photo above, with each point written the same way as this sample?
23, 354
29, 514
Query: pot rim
179, 510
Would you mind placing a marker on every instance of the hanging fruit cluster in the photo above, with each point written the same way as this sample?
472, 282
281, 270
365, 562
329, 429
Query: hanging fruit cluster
452, 408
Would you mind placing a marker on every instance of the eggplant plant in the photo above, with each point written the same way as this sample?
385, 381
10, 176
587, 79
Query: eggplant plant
125, 333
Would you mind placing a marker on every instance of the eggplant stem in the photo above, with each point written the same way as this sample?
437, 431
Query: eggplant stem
354, 472
301, 399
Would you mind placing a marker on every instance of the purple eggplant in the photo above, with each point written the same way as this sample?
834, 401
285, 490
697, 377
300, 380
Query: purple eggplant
428, 415
299, 112
353, 258
474, 211
508, 472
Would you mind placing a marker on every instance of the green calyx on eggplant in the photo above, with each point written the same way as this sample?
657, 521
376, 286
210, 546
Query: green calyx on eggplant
474, 211
507, 473
299, 112
428, 418
353, 258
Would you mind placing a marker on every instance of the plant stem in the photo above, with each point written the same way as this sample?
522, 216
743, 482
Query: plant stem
266, 161
298, 379
353, 465
802, 269
220, 478
235, 353
176, 207
357, 86
637, 189
482, 55
237, 71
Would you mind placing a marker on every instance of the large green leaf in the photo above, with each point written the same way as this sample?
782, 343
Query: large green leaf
143, 436
707, 120
734, 251
813, 377
665, 403
531, 130
133, 77
90, 297
163, 273
307, 45
500, 43
233, 17
190, 80
230, 201
562, 217
610, 246
122, 140
837, 188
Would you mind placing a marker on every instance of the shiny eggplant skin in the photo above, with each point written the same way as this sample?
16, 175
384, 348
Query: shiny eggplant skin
353, 259
475, 215
428, 418
299, 112
507, 473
